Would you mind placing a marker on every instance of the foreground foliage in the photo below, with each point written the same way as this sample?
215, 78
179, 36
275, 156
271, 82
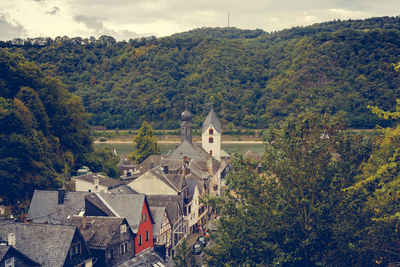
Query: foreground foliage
297, 212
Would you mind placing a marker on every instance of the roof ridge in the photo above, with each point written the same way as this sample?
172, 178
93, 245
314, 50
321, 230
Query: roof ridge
107, 205
165, 177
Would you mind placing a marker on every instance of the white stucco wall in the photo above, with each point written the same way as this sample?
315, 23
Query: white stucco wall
86, 186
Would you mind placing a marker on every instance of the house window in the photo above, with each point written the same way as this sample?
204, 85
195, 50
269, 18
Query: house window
147, 235
211, 140
10, 262
75, 249
144, 217
140, 240
124, 248
122, 228
211, 131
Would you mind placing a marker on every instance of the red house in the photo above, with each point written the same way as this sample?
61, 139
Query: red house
133, 207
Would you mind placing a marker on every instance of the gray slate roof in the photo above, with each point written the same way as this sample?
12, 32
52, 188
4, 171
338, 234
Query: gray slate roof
44, 243
122, 189
186, 149
3, 251
44, 206
171, 203
103, 180
154, 161
212, 119
98, 231
128, 206
191, 187
158, 214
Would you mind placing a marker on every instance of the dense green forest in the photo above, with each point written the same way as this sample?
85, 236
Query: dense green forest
253, 78
43, 132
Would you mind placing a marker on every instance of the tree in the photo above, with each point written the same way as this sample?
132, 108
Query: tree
145, 143
379, 185
290, 215
43, 131
183, 256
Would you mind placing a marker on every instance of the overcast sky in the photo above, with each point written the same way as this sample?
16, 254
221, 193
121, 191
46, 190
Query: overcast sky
125, 19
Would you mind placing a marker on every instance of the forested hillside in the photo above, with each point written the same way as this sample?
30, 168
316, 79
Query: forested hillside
252, 77
43, 132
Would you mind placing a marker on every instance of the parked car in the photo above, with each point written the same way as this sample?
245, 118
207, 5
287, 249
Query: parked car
202, 240
197, 247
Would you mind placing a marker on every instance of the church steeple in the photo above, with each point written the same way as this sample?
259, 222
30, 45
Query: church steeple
186, 125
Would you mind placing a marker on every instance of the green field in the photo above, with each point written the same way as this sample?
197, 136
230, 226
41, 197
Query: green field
166, 148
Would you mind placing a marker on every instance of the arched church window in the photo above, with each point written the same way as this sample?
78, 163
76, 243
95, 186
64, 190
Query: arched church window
211, 152
211, 131
211, 140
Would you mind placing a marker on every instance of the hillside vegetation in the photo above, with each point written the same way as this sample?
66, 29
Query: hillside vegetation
43, 132
253, 78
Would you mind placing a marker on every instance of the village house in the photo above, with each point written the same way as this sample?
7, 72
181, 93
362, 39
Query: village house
162, 231
133, 207
10, 257
47, 244
110, 239
95, 182
174, 212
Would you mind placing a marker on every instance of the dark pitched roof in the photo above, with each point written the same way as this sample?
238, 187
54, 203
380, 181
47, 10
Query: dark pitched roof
211, 119
98, 231
128, 206
211, 166
103, 180
175, 180
5, 249
158, 215
186, 149
44, 243
123, 189
171, 203
191, 187
154, 161
44, 206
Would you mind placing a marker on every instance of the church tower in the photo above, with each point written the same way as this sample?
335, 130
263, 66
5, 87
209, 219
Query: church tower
186, 125
211, 135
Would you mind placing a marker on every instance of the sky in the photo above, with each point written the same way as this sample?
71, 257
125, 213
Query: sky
126, 19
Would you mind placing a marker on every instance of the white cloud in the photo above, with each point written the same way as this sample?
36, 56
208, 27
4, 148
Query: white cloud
10, 28
131, 18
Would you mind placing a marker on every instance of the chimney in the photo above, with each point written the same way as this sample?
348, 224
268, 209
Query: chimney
84, 222
166, 171
11, 239
61, 196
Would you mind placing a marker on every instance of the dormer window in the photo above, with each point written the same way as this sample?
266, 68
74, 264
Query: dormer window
211, 140
211, 131
75, 249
